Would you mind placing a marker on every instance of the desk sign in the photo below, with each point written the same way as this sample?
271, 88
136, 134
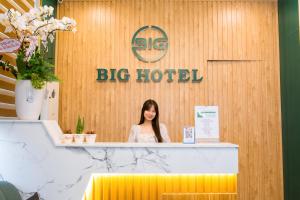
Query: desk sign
188, 135
207, 123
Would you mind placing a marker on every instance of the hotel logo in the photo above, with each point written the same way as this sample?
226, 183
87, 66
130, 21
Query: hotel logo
149, 44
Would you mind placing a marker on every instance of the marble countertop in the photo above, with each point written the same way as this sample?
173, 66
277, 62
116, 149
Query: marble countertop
164, 145
54, 131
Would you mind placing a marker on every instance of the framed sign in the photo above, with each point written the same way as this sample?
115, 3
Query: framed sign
207, 123
188, 135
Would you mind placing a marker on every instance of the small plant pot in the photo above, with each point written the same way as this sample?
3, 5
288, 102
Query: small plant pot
79, 138
67, 138
90, 138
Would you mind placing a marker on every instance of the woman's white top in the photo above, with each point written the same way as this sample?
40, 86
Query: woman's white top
136, 135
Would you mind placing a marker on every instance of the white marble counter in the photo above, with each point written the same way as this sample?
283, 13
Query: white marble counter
33, 158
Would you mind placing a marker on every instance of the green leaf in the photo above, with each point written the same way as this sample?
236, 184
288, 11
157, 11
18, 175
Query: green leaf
36, 69
21, 64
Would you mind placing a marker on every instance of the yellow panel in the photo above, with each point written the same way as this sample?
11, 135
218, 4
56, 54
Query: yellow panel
197, 196
155, 187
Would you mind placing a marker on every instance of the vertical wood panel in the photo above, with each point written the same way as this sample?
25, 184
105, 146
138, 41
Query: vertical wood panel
234, 44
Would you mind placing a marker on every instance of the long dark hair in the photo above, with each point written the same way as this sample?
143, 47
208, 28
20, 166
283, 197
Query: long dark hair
155, 122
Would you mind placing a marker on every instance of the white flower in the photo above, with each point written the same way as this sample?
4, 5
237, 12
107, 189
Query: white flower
20, 23
34, 25
34, 12
38, 23
50, 10
30, 29
51, 38
33, 44
60, 25
14, 14
67, 20
47, 10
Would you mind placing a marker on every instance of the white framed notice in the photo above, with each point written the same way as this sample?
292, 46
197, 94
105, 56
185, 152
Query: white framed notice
188, 135
207, 123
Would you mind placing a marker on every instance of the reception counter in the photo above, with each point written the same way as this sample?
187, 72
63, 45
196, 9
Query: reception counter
34, 159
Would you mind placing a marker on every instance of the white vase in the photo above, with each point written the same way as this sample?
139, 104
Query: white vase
67, 138
28, 100
90, 138
79, 138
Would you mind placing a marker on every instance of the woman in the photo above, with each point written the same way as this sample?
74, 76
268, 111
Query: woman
149, 130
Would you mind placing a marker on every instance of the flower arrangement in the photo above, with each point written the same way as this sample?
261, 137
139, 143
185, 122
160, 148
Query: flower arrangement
33, 30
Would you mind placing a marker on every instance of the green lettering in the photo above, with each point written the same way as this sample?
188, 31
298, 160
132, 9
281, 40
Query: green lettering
102, 74
170, 73
142, 73
140, 44
195, 80
126, 75
160, 43
160, 75
112, 76
183, 75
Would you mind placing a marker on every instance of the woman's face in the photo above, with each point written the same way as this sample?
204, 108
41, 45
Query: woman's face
150, 114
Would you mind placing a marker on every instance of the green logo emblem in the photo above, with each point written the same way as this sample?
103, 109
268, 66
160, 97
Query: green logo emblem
149, 44
199, 115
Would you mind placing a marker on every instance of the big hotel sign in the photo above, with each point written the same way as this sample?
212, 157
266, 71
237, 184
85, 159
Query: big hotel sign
149, 44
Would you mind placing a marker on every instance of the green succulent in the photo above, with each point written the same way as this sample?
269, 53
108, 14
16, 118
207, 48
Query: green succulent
80, 125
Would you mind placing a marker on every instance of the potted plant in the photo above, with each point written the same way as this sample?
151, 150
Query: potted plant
79, 137
32, 32
68, 137
90, 137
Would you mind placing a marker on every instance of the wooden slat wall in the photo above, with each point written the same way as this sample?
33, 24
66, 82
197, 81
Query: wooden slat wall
233, 43
21, 6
